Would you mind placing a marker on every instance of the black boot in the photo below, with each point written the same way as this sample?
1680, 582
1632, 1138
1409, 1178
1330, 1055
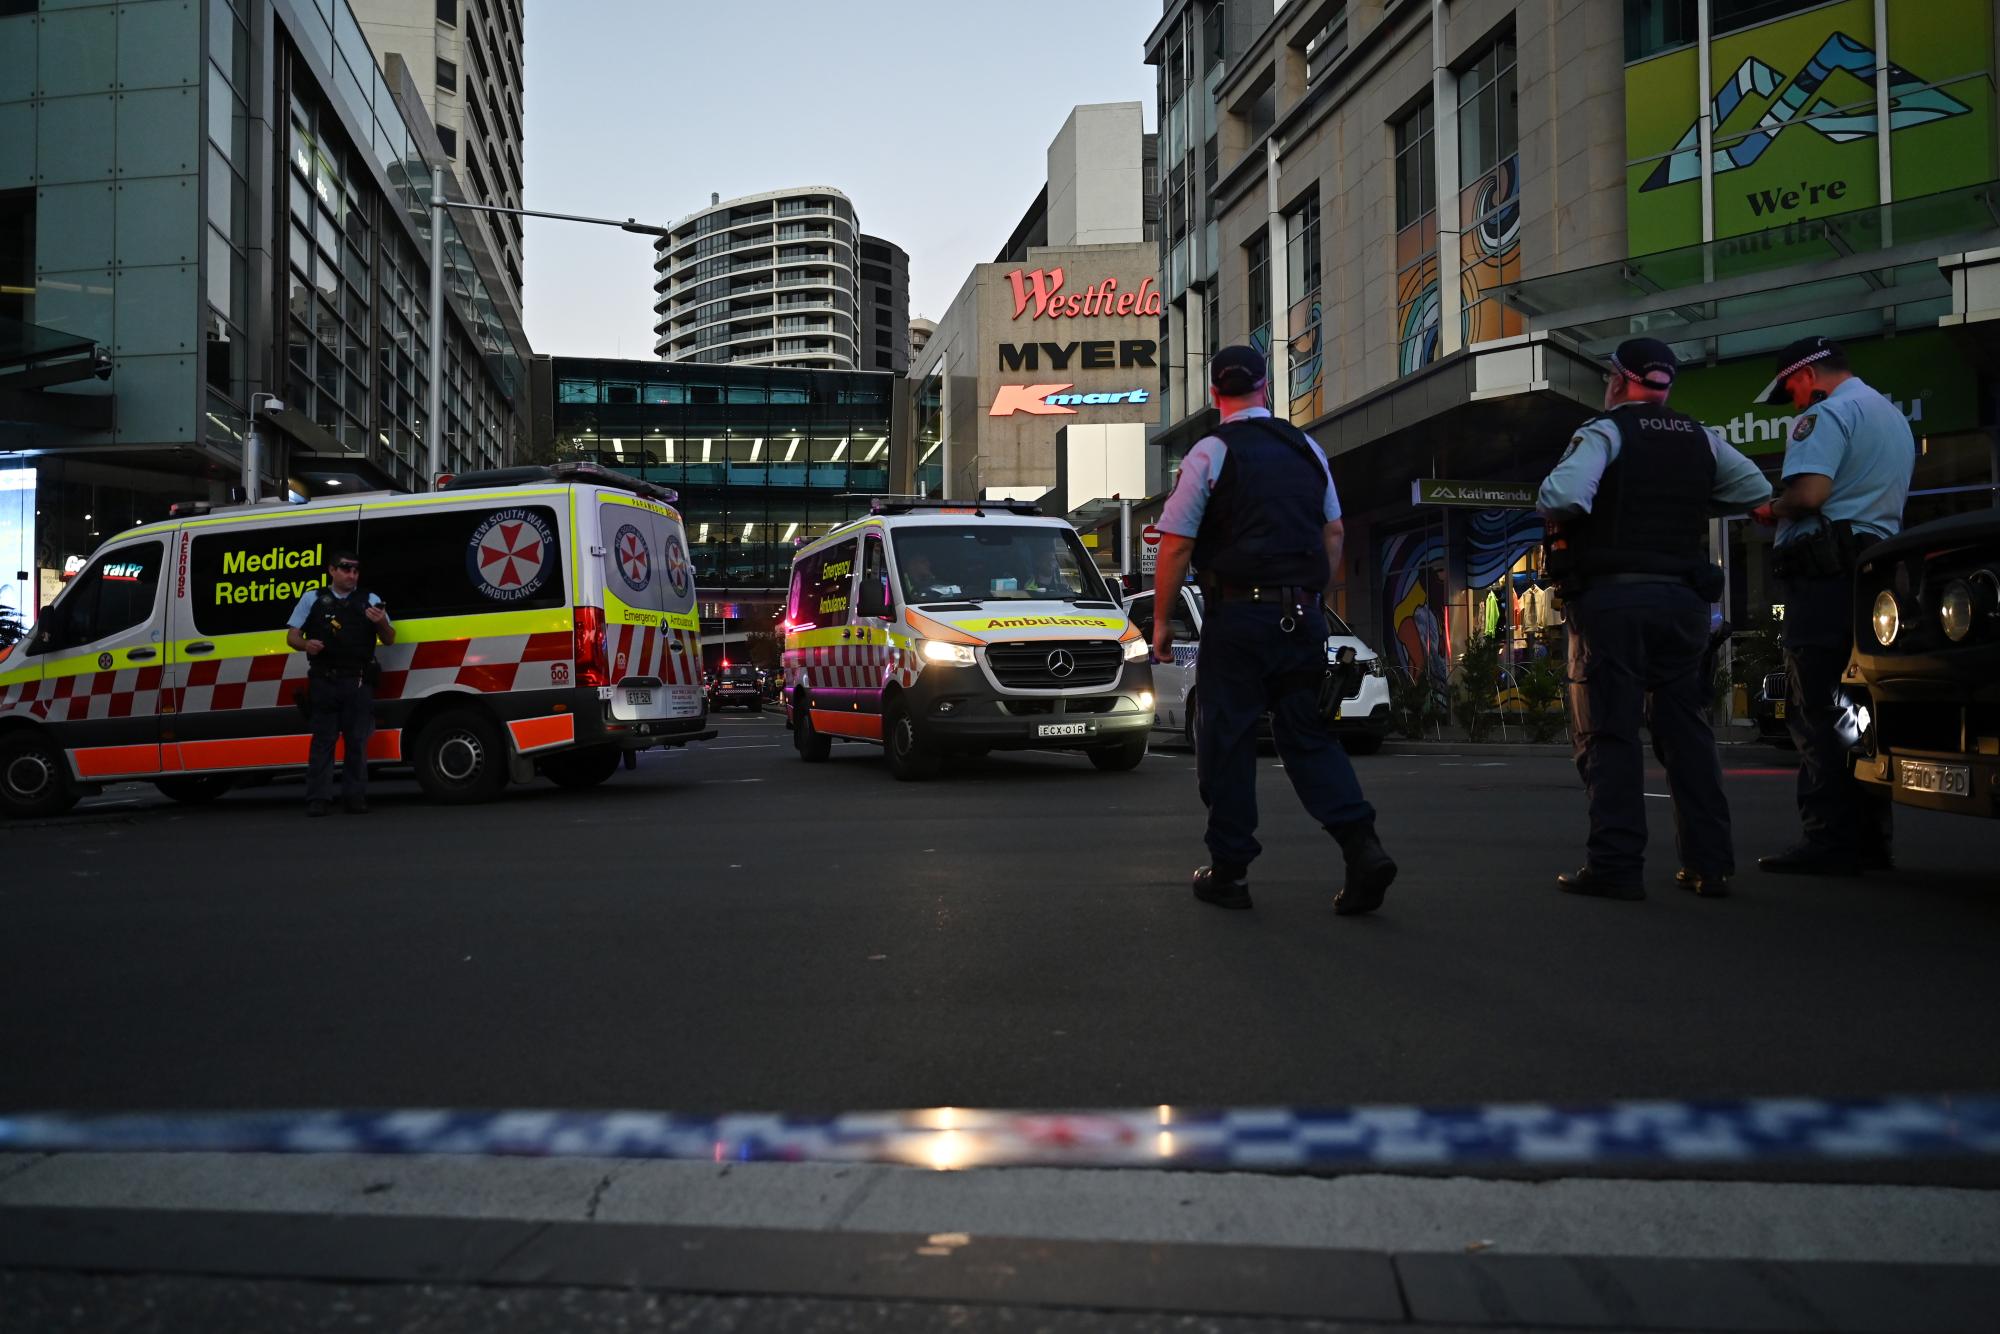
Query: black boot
1369, 869
1707, 884
1223, 886
1806, 857
1626, 885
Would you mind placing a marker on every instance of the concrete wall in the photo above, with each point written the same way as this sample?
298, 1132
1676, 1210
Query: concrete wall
1097, 176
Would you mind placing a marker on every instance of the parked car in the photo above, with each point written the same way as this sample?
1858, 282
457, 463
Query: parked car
735, 685
1767, 708
1923, 684
1364, 717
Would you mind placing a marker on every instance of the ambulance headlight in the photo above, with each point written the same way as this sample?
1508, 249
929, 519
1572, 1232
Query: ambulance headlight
1136, 650
949, 655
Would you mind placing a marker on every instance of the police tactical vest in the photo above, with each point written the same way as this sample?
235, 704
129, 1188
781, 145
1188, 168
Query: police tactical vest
341, 624
1266, 515
1651, 511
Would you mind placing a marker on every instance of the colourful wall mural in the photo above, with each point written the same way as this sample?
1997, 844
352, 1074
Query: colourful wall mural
1417, 309
1490, 252
1413, 605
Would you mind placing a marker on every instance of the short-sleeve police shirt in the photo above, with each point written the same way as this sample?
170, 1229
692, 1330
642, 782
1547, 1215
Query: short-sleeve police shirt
1202, 468
1861, 442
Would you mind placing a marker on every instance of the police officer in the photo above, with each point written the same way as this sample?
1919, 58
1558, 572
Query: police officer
1846, 476
1256, 512
1630, 501
337, 628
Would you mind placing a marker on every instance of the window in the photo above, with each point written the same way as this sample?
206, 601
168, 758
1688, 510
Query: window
1327, 45
1258, 283
1416, 167
820, 587
449, 138
1302, 256
1489, 191
1653, 26
1417, 308
1302, 324
447, 12
447, 75
114, 595
243, 580
463, 563
17, 255
875, 570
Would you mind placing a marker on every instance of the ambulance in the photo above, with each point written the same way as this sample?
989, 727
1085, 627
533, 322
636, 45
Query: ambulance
959, 627
545, 622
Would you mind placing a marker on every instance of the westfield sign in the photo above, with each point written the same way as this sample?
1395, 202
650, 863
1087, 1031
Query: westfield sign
1042, 290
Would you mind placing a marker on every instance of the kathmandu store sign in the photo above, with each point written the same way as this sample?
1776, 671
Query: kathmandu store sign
1042, 291
1049, 400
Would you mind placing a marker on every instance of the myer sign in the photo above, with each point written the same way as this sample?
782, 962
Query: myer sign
1921, 373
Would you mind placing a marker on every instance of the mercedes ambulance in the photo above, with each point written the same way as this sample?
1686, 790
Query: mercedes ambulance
545, 620
943, 627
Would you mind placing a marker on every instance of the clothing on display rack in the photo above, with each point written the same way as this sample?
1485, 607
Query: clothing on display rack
1492, 614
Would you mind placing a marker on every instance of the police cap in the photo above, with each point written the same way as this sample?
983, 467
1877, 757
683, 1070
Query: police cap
1797, 357
1646, 361
1236, 370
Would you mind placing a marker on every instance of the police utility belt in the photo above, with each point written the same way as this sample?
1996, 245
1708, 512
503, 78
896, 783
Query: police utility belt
1827, 552
1337, 682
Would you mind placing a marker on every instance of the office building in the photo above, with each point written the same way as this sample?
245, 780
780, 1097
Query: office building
884, 343
1438, 219
763, 458
1041, 379
921, 330
221, 209
465, 57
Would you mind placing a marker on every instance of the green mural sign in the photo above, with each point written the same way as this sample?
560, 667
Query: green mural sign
1922, 373
1795, 133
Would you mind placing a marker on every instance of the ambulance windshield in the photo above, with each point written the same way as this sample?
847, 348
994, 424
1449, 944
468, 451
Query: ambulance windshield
994, 562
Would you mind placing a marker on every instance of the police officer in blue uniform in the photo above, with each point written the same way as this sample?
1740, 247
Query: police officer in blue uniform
337, 627
1629, 504
1256, 513
1846, 476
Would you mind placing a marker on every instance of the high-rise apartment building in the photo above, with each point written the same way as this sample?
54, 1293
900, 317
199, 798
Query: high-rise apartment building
465, 58
921, 331
769, 279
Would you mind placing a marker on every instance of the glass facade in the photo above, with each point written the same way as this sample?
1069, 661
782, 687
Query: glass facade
763, 457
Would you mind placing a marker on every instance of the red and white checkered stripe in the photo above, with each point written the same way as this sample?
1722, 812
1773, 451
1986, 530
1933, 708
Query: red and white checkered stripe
674, 656
850, 667
131, 692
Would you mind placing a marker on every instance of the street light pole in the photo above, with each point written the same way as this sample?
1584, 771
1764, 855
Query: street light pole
434, 399
253, 449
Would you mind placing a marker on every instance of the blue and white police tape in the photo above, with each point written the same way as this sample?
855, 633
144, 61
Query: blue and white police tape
947, 1137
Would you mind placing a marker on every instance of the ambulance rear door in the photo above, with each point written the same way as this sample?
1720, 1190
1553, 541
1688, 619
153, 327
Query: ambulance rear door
236, 682
652, 633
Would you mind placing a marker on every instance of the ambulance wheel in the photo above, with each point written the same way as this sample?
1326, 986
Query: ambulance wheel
806, 739
194, 790
34, 780
582, 768
461, 758
1119, 756
909, 758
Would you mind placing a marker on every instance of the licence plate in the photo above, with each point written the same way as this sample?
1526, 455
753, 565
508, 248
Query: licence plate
1948, 780
1062, 729
1778, 709
638, 697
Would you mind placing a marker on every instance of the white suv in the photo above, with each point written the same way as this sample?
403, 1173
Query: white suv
1364, 716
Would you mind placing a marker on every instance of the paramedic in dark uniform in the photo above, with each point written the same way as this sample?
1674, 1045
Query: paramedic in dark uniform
1846, 476
1630, 503
337, 628
1256, 513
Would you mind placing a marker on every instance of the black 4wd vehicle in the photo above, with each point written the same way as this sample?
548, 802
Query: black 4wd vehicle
736, 685
1927, 654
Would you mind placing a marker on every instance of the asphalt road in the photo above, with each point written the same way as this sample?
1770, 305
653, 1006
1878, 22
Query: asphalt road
728, 928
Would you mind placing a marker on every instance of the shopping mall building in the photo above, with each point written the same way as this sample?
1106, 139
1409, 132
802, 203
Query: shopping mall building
1437, 219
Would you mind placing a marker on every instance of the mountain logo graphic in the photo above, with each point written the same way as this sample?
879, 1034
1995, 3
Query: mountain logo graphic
1910, 103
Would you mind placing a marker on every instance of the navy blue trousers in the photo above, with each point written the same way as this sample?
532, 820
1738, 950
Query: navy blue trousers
1248, 664
1836, 809
342, 708
1635, 658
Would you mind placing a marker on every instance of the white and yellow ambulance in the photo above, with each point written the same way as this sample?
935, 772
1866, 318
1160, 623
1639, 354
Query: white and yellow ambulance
942, 627
545, 621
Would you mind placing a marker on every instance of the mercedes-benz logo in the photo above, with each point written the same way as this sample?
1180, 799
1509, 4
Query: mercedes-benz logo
1061, 663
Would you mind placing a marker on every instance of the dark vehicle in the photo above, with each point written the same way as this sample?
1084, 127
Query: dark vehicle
735, 685
1767, 708
1925, 675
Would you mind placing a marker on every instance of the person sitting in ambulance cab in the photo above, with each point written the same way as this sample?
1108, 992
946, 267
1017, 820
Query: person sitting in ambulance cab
337, 628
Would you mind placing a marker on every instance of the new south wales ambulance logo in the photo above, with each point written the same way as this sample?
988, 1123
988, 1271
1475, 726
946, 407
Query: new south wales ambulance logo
679, 578
508, 556
635, 558
1795, 101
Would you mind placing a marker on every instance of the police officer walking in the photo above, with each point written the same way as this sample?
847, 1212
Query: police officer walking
1630, 501
337, 628
1256, 512
1846, 476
